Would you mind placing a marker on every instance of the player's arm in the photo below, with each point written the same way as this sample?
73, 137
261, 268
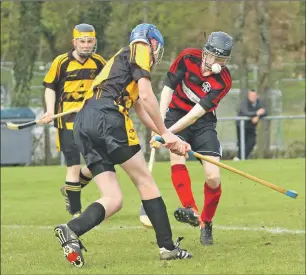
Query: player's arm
165, 99
50, 97
164, 103
143, 116
173, 78
150, 104
191, 117
50, 83
140, 69
207, 104
262, 107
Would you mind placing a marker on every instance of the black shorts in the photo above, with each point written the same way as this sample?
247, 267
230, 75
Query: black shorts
201, 135
105, 138
65, 142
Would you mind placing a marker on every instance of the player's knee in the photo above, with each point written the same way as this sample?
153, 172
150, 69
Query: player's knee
213, 180
116, 203
112, 204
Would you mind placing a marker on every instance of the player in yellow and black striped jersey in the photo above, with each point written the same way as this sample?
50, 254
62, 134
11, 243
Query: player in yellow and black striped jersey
105, 136
67, 81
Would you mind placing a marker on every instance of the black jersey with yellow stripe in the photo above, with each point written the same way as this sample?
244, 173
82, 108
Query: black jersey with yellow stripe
118, 79
71, 79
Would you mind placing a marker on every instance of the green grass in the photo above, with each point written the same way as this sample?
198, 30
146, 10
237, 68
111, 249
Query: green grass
293, 94
293, 131
30, 198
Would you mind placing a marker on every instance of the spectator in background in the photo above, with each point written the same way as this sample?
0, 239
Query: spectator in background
251, 107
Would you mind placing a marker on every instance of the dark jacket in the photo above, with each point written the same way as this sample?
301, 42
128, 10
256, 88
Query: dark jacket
248, 109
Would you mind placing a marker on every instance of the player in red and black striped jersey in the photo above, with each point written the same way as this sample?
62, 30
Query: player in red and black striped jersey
198, 79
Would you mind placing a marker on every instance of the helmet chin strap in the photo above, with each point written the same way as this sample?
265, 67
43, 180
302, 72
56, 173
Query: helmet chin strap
84, 55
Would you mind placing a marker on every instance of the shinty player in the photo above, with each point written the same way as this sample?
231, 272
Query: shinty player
198, 79
106, 136
69, 78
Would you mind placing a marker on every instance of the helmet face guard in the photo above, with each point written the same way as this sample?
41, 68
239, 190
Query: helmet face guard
217, 49
85, 38
209, 58
158, 54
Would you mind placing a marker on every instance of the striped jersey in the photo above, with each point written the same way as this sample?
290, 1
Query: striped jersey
191, 87
118, 79
71, 79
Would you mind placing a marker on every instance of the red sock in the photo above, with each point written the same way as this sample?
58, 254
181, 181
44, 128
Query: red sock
211, 200
182, 184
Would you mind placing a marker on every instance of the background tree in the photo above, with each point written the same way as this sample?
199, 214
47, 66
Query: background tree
182, 24
264, 76
239, 49
97, 14
25, 57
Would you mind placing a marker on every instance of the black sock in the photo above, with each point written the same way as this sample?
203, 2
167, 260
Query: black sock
91, 217
73, 190
84, 180
157, 213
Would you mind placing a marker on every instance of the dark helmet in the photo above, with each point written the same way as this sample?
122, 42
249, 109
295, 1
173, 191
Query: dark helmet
218, 44
84, 31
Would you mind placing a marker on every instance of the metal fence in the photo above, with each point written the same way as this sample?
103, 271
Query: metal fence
162, 154
242, 128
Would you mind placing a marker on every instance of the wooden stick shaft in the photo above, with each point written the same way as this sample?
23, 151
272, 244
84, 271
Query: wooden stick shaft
63, 114
152, 157
232, 169
14, 126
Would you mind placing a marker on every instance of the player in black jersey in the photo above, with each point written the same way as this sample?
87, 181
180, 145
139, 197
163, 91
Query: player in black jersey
105, 135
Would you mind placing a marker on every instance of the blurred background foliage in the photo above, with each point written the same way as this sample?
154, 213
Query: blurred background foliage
268, 53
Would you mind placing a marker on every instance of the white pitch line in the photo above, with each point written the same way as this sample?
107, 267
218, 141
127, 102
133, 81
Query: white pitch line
275, 230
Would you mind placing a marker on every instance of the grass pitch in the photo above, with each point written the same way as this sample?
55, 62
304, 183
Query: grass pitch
256, 229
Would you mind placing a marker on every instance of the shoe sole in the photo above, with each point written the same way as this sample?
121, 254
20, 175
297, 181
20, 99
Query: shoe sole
173, 258
182, 216
70, 254
170, 257
145, 221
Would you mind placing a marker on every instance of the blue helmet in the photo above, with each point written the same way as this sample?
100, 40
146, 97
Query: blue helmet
144, 33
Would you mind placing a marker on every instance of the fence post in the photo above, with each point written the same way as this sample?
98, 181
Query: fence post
62, 159
242, 139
